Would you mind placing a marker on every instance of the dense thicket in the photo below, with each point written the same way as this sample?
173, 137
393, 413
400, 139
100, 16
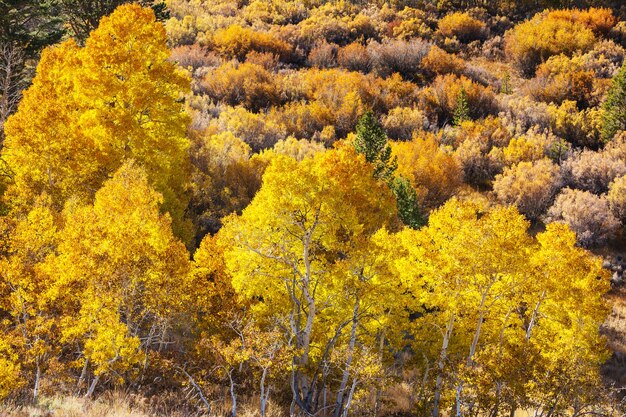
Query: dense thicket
366, 208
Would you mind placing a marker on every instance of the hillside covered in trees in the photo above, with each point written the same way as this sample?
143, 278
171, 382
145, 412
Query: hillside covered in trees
313, 208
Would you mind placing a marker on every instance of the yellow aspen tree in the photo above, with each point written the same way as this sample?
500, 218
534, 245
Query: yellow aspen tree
123, 273
28, 327
298, 250
91, 108
565, 311
469, 258
507, 320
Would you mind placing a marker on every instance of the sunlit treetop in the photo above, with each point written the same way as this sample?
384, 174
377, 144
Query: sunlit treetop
90, 109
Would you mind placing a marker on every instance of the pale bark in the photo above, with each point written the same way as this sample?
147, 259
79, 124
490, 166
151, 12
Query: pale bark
440, 365
346, 371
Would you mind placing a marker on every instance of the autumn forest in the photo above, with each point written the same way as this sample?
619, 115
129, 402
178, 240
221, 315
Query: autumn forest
273, 208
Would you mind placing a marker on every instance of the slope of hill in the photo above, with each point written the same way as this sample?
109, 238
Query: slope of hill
313, 208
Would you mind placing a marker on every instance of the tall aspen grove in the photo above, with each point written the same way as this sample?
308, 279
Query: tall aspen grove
313, 208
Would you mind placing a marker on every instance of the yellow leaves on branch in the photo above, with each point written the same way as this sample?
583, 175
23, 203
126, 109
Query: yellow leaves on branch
91, 108
120, 265
108, 278
306, 234
554, 32
478, 265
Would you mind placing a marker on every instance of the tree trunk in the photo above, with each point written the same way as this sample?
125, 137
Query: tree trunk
92, 387
346, 371
83, 375
440, 364
37, 381
303, 390
350, 396
424, 382
265, 392
470, 356
233, 395
533, 317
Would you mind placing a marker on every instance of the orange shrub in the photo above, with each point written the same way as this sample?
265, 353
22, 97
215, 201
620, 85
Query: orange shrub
354, 57
462, 26
478, 149
324, 55
334, 98
194, 57
432, 170
247, 84
331, 86
561, 78
264, 59
402, 122
600, 20
532, 42
403, 57
440, 62
304, 120
236, 42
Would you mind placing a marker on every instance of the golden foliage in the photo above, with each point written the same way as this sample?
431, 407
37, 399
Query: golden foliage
236, 42
248, 84
432, 170
462, 26
120, 271
91, 108
530, 186
561, 78
441, 98
547, 34
440, 62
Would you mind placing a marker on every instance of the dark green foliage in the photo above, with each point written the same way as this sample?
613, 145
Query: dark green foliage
371, 141
615, 107
31, 25
408, 207
26, 27
461, 111
83, 16
505, 88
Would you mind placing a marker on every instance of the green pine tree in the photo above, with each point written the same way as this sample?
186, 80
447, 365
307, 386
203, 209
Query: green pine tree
461, 111
408, 207
615, 107
505, 88
372, 142
84, 16
30, 25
